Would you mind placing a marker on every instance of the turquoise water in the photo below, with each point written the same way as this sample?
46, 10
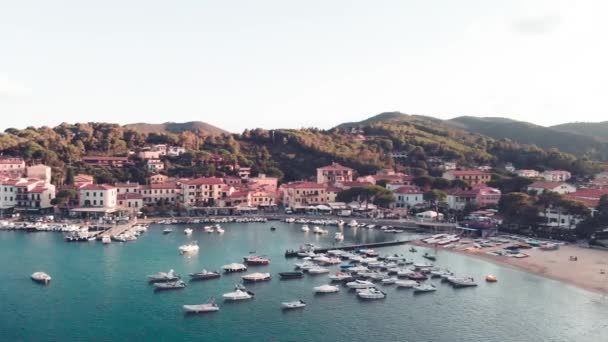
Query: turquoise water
100, 293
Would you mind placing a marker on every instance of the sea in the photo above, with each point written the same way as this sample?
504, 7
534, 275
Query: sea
100, 293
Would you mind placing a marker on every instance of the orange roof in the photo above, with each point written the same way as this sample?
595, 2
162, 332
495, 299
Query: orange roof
98, 187
205, 180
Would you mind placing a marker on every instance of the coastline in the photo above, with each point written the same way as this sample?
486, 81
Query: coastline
583, 273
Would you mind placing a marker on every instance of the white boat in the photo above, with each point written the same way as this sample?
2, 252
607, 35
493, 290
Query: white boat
389, 281
41, 277
462, 282
191, 247
406, 283
424, 288
167, 230
296, 304
318, 270
208, 229
326, 289
339, 276
219, 230
253, 277
238, 294
339, 236
360, 284
200, 308
106, 239
371, 293
305, 229
188, 231
353, 224
163, 276
234, 267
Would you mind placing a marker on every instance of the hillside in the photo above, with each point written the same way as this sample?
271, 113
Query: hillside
176, 128
527, 133
597, 130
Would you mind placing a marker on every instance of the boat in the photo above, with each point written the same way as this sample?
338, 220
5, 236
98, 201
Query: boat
234, 267
171, 285
417, 276
254, 277
406, 283
413, 250
41, 277
491, 278
291, 275
353, 224
273, 229
339, 236
211, 306
429, 256
318, 270
424, 288
360, 284
389, 281
462, 282
167, 230
204, 275
296, 304
340, 276
188, 231
163, 277
208, 229
239, 293
219, 230
305, 229
191, 247
256, 260
106, 239
305, 266
371, 293
326, 289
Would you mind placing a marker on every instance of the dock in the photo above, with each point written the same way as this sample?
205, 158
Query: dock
291, 253
115, 229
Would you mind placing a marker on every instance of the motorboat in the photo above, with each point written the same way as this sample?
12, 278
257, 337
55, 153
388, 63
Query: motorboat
211, 306
417, 276
163, 277
167, 230
254, 277
462, 282
171, 285
318, 270
234, 267
239, 293
305, 229
296, 304
191, 247
204, 275
371, 293
339, 236
219, 229
208, 229
188, 231
353, 224
360, 284
326, 289
429, 256
106, 239
404, 273
413, 250
491, 278
424, 288
340, 276
406, 283
41, 277
389, 281
305, 266
291, 275
318, 230
256, 260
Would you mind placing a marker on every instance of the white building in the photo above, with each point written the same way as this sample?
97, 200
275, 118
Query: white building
30, 194
559, 187
175, 150
98, 196
39, 171
13, 167
556, 175
155, 165
408, 197
527, 173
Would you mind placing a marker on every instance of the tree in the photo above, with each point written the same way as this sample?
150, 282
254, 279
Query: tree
518, 208
64, 197
69, 176
441, 183
434, 196
366, 194
424, 182
459, 183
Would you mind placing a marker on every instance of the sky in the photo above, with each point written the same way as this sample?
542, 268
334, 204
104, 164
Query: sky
286, 63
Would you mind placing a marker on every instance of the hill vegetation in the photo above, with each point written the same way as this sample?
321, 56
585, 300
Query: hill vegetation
598, 130
177, 128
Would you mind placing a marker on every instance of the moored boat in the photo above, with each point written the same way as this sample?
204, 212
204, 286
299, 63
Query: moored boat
296, 304
211, 306
171, 285
204, 275
41, 277
239, 293
256, 260
167, 230
371, 293
326, 289
234, 267
191, 247
254, 277
406, 283
163, 277
188, 231
291, 275
424, 288
360, 284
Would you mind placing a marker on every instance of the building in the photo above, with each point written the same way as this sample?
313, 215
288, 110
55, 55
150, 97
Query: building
149, 154
350, 185
527, 173
304, 194
481, 196
158, 179
262, 182
12, 167
175, 150
556, 175
559, 187
155, 165
408, 197
263, 198
233, 181
334, 173
101, 196
105, 161
39, 171
244, 172
167, 193
27, 194
471, 177
128, 187
509, 167
203, 191
589, 197
130, 201
82, 179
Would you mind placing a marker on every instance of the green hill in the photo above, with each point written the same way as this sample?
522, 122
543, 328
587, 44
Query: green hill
597, 130
176, 128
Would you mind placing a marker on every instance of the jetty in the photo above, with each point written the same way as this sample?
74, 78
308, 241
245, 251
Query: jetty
294, 253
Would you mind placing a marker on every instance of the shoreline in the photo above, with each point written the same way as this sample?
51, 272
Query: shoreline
584, 273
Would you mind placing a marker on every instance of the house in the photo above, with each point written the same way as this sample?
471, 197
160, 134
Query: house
82, 179
527, 173
263, 198
244, 172
589, 197
238, 199
105, 161
28, 194
556, 175
408, 197
98, 196
263, 182
175, 150
471, 177
334, 173
155, 165
509, 167
158, 179
128, 187
559, 187
167, 193
558, 217
482, 196
203, 191
150, 154
304, 194
233, 180
12, 167
39, 171
130, 201
448, 166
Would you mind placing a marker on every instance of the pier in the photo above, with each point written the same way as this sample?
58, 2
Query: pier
291, 253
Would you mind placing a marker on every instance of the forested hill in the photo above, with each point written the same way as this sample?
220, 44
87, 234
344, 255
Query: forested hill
176, 128
290, 154
597, 130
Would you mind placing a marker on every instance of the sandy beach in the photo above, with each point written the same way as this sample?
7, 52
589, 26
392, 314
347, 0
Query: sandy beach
589, 272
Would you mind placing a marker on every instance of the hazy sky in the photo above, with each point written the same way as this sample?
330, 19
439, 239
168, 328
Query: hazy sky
284, 63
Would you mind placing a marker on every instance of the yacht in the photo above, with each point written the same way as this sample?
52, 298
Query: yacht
371, 293
171, 285
191, 247
360, 284
389, 281
424, 288
163, 277
305, 229
106, 239
417, 276
234, 267
318, 270
256, 260
208, 229
429, 256
204, 275
462, 282
305, 266
406, 283
326, 289
296, 304
219, 229
200, 308
188, 231
41, 277
353, 224
239, 293
339, 236
291, 275
167, 230
340, 276
254, 277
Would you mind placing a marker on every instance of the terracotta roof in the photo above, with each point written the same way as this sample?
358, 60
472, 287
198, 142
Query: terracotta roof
97, 187
335, 167
355, 184
333, 189
589, 193
38, 189
304, 185
204, 180
591, 203
126, 185
546, 185
11, 161
408, 190
238, 194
